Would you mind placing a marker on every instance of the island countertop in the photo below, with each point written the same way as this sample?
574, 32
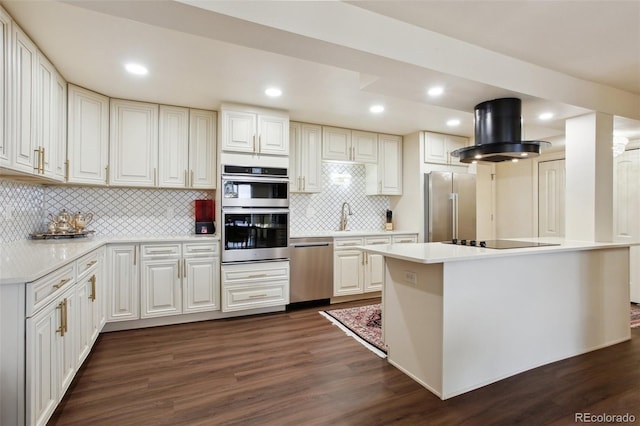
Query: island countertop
444, 253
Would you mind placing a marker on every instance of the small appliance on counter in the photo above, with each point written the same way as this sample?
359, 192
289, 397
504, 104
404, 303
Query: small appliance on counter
205, 217
389, 224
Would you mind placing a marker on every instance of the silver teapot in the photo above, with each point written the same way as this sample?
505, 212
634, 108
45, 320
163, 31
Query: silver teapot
81, 220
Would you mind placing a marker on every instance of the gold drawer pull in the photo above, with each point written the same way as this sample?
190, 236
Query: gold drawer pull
159, 251
90, 264
350, 244
61, 283
257, 276
256, 296
405, 241
378, 242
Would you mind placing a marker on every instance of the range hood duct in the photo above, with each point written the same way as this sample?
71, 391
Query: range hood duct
498, 134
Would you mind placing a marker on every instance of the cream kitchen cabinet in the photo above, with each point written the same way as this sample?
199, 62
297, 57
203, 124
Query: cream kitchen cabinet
254, 131
124, 286
5, 86
349, 145
357, 272
88, 136
187, 148
133, 144
178, 278
438, 148
254, 285
305, 158
385, 177
91, 291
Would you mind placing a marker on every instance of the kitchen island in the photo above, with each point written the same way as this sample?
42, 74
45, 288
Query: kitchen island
456, 318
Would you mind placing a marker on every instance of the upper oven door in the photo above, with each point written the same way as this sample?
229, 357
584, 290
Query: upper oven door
246, 191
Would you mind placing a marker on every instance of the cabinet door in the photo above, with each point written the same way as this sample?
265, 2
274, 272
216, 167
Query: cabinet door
88, 139
66, 345
51, 104
24, 102
202, 149
374, 272
390, 164
365, 147
173, 147
59, 130
41, 364
273, 135
85, 318
238, 131
454, 143
133, 152
5, 86
124, 287
201, 284
160, 288
435, 148
348, 272
336, 144
310, 155
295, 166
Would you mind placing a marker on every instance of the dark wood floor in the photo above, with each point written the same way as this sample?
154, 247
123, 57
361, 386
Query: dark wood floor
296, 368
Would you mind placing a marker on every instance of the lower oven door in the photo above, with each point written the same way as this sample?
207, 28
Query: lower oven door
251, 234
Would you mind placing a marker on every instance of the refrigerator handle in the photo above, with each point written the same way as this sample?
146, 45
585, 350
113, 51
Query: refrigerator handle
455, 215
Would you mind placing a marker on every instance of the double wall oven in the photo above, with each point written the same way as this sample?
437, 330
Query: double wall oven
255, 214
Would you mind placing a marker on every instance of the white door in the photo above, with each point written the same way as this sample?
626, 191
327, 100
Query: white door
84, 312
348, 273
5, 86
374, 272
238, 131
295, 166
365, 147
133, 153
273, 135
66, 347
435, 148
551, 184
88, 139
124, 290
311, 158
201, 284
59, 130
390, 164
44, 122
202, 149
160, 288
173, 147
336, 144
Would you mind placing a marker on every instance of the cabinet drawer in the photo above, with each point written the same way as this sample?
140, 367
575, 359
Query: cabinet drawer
41, 291
399, 239
347, 242
87, 263
200, 249
160, 250
251, 273
377, 240
251, 296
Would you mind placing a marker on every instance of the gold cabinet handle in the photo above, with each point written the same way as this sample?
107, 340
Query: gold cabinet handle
135, 255
106, 175
66, 170
192, 177
66, 316
61, 283
43, 160
90, 264
61, 328
184, 268
255, 296
259, 143
254, 143
186, 179
93, 288
257, 276
179, 269
155, 176
304, 184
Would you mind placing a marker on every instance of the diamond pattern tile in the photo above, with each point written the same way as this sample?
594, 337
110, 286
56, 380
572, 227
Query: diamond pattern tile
20, 210
321, 212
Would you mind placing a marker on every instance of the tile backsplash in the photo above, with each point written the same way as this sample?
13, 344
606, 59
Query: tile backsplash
321, 211
20, 209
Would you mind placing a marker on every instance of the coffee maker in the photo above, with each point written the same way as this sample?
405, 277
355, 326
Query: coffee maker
205, 217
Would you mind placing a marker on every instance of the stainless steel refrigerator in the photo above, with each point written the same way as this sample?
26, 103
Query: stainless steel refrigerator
450, 206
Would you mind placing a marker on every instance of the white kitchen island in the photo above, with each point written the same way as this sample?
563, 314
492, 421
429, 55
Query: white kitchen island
456, 318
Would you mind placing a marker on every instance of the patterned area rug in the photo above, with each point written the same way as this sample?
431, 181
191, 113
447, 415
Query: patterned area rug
635, 315
364, 323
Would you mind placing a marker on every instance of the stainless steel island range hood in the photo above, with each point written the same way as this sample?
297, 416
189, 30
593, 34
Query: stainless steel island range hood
498, 134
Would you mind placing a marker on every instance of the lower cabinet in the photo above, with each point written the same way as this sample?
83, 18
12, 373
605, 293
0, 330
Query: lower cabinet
179, 278
254, 285
124, 286
357, 272
91, 292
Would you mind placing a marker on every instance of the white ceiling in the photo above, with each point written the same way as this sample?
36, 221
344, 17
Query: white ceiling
334, 59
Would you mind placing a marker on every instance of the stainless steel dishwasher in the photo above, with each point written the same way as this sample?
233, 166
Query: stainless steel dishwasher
311, 263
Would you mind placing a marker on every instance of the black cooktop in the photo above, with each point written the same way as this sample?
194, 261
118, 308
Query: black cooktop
498, 244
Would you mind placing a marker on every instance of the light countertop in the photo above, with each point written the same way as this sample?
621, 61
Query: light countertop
27, 260
443, 253
354, 233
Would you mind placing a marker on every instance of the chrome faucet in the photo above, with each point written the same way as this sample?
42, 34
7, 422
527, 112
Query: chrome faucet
343, 216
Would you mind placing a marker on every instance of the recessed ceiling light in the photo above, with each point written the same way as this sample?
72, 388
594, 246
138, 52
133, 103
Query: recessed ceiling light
273, 92
435, 91
453, 122
376, 109
136, 69
546, 116
514, 160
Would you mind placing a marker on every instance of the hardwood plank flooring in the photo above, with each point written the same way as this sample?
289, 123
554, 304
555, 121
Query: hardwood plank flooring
296, 368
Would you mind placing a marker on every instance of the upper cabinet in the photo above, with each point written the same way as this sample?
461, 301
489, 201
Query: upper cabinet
385, 177
349, 145
187, 148
254, 131
438, 148
88, 136
5, 86
305, 162
133, 144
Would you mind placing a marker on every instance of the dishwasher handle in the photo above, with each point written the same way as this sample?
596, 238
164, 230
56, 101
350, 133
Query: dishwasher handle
303, 245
